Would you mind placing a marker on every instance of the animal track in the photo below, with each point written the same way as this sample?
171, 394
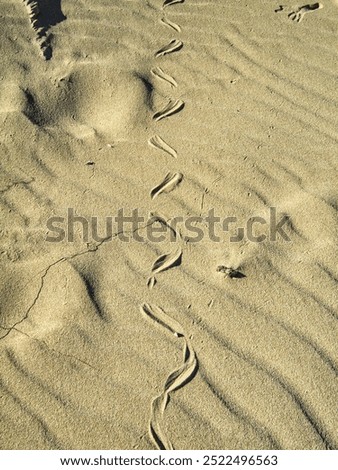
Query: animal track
157, 142
170, 109
177, 379
187, 370
299, 14
167, 261
171, 24
167, 3
173, 46
280, 8
159, 73
158, 218
168, 184
151, 282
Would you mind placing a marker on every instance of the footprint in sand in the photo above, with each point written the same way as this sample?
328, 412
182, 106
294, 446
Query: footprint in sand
299, 13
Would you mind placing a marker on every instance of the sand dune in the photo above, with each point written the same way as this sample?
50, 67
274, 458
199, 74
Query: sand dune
174, 108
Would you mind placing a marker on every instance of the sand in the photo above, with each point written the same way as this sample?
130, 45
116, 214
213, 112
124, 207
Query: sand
172, 109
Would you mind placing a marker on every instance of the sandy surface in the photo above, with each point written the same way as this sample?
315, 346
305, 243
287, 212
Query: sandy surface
205, 104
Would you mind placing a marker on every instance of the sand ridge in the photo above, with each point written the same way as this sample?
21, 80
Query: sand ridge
174, 108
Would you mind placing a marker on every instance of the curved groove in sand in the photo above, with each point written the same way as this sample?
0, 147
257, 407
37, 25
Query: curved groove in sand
167, 3
170, 182
166, 223
167, 261
171, 24
159, 73
158, 143
159, 316
170, 109
177, 379
174, 46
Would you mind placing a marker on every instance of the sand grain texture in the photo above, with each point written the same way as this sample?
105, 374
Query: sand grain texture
174, 108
